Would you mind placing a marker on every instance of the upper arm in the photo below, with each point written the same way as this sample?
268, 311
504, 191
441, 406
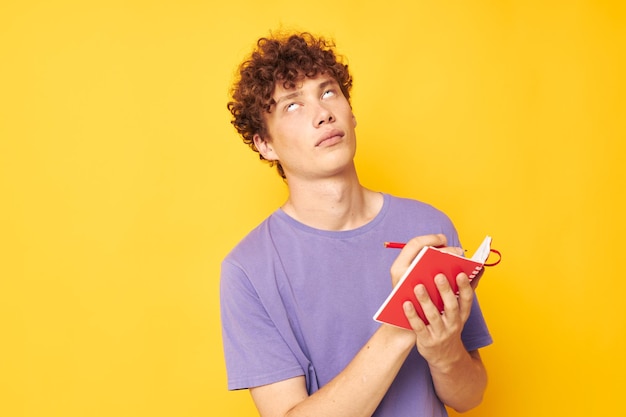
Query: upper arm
276, 399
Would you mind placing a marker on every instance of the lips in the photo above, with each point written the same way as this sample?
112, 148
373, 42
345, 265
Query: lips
330, 137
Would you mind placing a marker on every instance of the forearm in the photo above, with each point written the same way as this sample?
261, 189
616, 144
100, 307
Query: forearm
359, 388
461, 383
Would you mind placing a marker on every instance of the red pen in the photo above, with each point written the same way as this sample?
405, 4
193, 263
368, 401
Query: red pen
397, 245
394, 245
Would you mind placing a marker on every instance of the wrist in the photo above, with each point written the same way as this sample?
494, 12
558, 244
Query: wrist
450, 361
400, 338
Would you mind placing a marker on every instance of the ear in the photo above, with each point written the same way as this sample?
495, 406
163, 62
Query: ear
264, 147
353, 120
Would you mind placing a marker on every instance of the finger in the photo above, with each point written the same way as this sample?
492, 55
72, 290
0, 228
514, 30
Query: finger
410, 251
465, 296
431, 311
415, 321
455, 250
448, 296
414, 245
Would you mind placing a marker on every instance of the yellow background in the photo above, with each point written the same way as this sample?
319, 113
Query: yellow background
123, 185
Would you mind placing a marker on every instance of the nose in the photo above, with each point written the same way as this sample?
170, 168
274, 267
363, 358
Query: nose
324, 116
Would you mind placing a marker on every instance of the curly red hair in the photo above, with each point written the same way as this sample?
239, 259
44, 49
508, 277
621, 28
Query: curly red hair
280, 58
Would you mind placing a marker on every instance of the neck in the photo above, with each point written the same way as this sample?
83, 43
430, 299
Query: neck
332, 203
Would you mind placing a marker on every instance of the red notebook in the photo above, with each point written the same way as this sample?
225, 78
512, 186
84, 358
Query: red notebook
429, 262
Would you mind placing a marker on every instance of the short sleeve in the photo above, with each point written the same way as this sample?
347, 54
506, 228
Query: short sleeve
255, 351
475, 334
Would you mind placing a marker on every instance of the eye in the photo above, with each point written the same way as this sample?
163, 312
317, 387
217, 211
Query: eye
291, 107
328, 93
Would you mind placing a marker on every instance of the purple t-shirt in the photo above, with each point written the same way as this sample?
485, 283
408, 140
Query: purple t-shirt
299, 301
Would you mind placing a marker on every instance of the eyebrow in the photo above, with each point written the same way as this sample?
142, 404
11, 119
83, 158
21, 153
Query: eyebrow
288, 96
297, 93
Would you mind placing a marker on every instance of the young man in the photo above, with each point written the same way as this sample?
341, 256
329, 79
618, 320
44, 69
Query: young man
298, 293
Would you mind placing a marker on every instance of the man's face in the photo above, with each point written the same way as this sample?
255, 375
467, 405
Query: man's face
310, 129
